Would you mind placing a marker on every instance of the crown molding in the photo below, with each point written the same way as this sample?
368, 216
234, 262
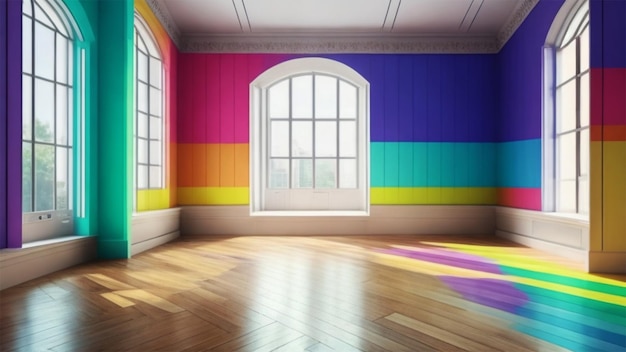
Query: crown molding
161, 12
324, 43
333, 44
514, 21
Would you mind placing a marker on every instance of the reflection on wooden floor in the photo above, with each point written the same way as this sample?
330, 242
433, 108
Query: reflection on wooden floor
318, 294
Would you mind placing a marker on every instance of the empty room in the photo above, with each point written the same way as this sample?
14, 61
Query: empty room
313, 175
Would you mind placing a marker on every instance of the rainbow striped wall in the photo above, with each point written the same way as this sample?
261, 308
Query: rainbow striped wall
608, 126
432, 126
520, 86
163, 198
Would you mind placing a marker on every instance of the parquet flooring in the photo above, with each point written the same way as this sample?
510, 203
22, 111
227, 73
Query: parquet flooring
350, 293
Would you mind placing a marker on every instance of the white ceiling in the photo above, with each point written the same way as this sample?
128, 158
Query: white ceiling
378, 19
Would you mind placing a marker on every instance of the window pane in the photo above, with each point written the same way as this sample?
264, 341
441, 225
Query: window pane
302, 138
302, 173
155, 128
279, 144
61, 116
325, 173
156, 176
142, 177
44, 111
27, 108
27, 179
70, 62
325, 139
155, 72
583, 195
142, 66
70, 180
27, 43
62, 179
142, 151
142, 97
155, 102
278, 96
155, 153
347, 173
584, 50
347, 100
44, 48
566, 62
584, 100
302, 96
567, 156
142, 125
279, 173
584, 152
325, 97
347, 138
61, 57
566, 107
27, 7
566, 201
44, 177
40, 15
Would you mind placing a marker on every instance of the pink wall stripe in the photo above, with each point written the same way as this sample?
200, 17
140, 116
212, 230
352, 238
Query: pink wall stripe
523, 198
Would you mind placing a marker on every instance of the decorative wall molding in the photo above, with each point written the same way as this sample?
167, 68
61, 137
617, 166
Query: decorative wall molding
326, 43
515, 20
163, 15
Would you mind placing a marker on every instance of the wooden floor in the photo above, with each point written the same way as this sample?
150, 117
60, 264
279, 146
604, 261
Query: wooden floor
320, 294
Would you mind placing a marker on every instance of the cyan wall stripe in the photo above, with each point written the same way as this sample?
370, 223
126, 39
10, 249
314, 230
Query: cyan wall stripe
420, 164
519, 164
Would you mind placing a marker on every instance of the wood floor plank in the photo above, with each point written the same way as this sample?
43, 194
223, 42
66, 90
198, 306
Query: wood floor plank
317, 293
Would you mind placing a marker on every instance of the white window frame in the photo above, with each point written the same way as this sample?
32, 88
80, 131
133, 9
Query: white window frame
153, 143
571, 22
311, 201
43, 224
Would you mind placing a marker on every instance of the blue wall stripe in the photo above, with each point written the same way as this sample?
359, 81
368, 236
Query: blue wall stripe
418, 164
519, 164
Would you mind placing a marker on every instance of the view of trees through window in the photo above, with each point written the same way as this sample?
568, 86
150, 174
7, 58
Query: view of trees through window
47, 65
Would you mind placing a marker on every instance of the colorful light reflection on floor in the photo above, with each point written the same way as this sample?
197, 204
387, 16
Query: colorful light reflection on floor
568, 308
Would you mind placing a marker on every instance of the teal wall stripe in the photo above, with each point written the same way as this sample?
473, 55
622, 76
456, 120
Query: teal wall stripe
424, 164
519, 164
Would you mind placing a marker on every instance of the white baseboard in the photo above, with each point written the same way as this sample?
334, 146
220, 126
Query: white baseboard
383, 220
560, 235
44, 257
153, 228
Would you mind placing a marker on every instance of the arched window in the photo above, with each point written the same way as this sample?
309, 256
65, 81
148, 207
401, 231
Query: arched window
309, 132
149, 116
570, 127
52, 99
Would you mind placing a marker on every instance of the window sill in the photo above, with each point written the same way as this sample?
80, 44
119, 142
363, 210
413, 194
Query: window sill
312, 213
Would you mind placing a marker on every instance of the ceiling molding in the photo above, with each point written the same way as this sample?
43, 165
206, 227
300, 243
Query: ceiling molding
515, 20
163, 15
338, 44
384, 42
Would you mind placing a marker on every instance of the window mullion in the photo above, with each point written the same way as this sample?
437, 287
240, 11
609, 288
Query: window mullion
313, 125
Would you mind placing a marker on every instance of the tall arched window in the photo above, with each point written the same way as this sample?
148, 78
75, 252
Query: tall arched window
149, 116
52, 98
309, 131
572, 114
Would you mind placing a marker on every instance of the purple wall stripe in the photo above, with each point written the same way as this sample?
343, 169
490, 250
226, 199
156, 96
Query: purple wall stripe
3, 124
14, 124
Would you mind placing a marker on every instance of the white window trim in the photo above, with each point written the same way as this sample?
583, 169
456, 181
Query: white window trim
554, 38
55, 223
258, 140
143, 31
